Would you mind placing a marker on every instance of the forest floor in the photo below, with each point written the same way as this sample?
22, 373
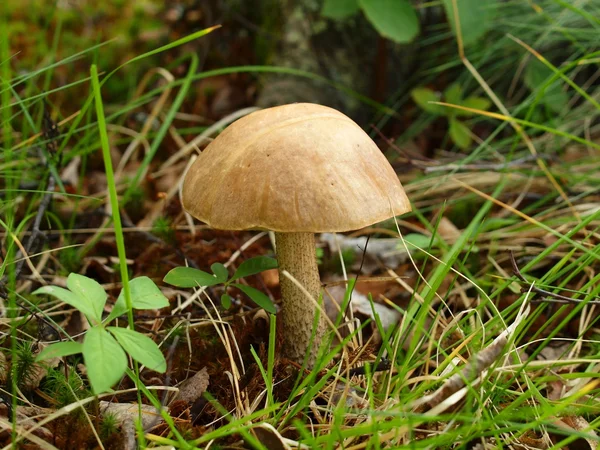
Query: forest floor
471, 321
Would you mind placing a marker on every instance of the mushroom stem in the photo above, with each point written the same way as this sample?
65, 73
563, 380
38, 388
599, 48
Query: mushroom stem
296, 253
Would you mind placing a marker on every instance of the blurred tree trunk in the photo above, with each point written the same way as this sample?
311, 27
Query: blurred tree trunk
340, 52
349, 52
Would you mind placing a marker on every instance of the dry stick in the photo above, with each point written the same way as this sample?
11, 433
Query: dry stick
383, 365
550, 297
423, 163
29, 433
472, 369
134, 229
50, 132
35, 230
167, 382
484, 166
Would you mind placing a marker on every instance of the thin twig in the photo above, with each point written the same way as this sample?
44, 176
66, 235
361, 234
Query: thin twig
551, 297
481, 166
474, 368
380, 366
51, 133
35, 230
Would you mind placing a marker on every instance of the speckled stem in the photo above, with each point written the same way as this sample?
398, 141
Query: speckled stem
296, 253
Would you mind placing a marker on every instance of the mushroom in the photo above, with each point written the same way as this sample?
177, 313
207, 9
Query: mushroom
297, 170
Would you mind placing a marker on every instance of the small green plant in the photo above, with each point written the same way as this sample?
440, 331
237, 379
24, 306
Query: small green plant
320, 254
64, 389
334, 263
398, 21
162, 227
109, 425
25, 364
187, 277
134, 200
348, 257
70, 259
459, 131
105, 348
552, 97
419, 245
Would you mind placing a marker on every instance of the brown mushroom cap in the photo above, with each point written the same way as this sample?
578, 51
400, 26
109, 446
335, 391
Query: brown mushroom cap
293, 168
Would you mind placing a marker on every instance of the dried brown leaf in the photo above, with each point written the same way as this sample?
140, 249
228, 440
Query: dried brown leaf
193, 388
579, 424
126, 414
447, 230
